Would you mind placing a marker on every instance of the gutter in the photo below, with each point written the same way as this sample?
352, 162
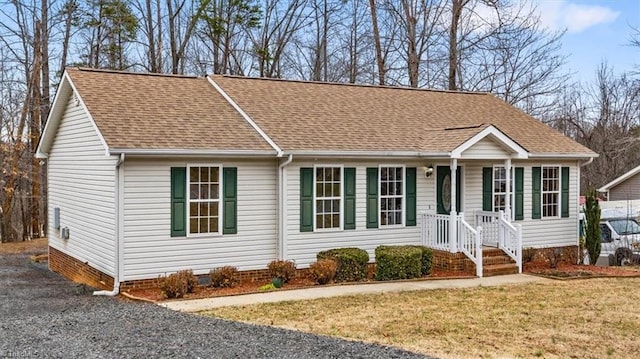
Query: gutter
190, 152
282, 212
119, 237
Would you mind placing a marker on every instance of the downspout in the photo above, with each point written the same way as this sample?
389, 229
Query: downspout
116, 277
282, 213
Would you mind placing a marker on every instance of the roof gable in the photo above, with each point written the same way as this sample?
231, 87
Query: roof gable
619, 180
486, 138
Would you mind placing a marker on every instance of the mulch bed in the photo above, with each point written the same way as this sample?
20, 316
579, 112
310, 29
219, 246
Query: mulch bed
250, 287
578, 271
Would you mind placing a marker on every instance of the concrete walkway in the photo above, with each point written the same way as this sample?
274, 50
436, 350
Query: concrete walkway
196, 305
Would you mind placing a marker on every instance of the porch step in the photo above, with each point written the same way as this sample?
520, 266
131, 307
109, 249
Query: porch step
499, 269
500, 259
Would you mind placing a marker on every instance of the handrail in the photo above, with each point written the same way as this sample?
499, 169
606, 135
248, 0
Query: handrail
510, 239
470, 243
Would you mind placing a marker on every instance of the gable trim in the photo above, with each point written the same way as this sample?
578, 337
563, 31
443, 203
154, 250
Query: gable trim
246, 117
607, 187
65, 89
519, 151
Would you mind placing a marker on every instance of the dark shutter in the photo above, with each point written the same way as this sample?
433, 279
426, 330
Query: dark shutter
178, 201
519, 194
372, 197
349, 198
487, 189
306, 200
536, 193
564, 202
411, 196
230, 200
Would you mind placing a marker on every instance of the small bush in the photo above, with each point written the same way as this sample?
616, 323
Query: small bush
553, 256
528, 254
277, 282
268, 286
398, 262
426, 260
284, 270
224, 277
178, 284
571, 255
323, 271
351, 263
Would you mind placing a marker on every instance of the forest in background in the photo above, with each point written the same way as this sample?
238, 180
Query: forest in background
495, 46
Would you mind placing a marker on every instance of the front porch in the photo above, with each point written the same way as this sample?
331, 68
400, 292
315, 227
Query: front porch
491, 246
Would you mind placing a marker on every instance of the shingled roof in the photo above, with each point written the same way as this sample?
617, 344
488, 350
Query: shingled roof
321, 116
144, 111
166, 112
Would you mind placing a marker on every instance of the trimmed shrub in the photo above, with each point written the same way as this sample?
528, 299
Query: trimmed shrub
178, 284
426, 260
323, 271
284, 270
351, 263
224, 277
571, 255
398, 262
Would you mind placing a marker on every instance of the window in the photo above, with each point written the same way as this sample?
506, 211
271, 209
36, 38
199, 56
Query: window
550, 191
328, 197
500, 189
391, 196
204, 200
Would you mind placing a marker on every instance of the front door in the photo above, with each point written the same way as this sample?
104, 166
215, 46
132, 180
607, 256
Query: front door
443, 189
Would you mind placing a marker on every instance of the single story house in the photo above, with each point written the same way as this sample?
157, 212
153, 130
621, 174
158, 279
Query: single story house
623, 188
150, 174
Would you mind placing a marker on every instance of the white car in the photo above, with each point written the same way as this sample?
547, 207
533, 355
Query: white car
619, 231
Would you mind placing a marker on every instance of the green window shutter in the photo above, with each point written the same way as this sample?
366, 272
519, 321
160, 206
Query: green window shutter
411, 196
230, 200
564, 202
178, 201
519, 193
349, 198
536, 193
306, 200
487, 189
372, 197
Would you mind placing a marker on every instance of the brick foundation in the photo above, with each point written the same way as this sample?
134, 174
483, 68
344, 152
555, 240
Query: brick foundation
78, 271
454, 262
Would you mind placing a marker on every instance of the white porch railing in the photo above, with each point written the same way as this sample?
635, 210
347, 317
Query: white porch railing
489, 223
510, 239
470, 243
435, 231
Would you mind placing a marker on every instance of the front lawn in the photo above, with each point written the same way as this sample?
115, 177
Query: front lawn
594, 318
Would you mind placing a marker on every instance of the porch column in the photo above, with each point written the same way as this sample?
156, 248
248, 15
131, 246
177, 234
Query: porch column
453, 221
507, 199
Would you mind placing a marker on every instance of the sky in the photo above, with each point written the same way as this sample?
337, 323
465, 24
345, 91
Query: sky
597, 30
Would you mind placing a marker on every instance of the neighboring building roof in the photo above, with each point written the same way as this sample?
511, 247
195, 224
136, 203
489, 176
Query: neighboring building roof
150, 112
144, 111
619, 180
320, 116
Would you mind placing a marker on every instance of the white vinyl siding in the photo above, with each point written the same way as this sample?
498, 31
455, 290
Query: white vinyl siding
81, 182
149, 249
549, 232
485, 148
303, 246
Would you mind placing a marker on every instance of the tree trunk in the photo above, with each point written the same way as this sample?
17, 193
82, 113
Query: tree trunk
376, 38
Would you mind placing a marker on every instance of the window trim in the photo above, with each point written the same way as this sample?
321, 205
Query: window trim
558, 192
341, 206
219, 200
404, 196
512, 191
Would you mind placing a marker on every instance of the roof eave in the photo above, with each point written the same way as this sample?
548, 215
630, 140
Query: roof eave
366, 154
169, 152
577, 155
619, 179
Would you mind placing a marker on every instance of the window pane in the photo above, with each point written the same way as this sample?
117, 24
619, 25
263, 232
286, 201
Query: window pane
399, 188
319, 187
204, 225
194, 192
319, 207
336, 189
215, 174
204, 209
383, 204
193, 174
398, 218
204, 174
383, 218
336, 174
319, 174
336, 206
391, 174
336, 221
213, 225
383, 189
383, 174
214, 191
327, 175
193, 209
327, 221
204, 191
399, 204
319, 221
193, 225
213, 209
399, 174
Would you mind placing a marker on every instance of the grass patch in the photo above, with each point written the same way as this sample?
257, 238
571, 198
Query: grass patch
592, 318
34, 246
